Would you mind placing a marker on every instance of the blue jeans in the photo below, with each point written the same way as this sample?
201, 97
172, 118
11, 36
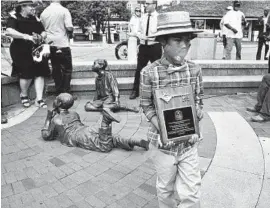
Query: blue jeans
229, 46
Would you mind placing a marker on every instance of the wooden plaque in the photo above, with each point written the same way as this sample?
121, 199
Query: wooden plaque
176, 113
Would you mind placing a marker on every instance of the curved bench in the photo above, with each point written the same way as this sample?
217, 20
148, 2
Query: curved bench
235, 176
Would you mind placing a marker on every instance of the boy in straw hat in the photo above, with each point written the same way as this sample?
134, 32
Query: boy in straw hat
177, 165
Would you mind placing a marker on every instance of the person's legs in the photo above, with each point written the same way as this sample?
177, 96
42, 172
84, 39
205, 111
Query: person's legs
229, 47
259, 50
188, 179
24, 86
39, 87
141, 63
166, 175
66, 67
56, 72
265, 110
266, 45
237, 42
224, 40
263, 89
93, 105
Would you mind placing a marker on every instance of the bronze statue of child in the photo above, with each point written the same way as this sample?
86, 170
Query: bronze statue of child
107, 92
66, 126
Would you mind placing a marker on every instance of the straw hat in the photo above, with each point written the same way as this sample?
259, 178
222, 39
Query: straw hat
24, 2
173, 23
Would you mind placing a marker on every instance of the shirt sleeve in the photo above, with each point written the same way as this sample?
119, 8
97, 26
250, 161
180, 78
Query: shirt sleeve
68, 19
226, 18
146, 100
199, 92
114, 85
49, 134
12, 23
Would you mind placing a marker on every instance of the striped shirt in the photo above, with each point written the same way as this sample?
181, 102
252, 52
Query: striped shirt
161, 74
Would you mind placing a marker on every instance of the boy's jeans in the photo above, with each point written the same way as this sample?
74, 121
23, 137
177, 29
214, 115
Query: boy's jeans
237, 43
184, 178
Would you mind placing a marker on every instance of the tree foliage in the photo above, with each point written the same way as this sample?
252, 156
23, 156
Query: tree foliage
85, 12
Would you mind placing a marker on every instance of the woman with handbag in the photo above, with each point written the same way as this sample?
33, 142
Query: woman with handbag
27, 33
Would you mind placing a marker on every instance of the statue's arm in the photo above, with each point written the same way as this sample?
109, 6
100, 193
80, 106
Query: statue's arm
47, 131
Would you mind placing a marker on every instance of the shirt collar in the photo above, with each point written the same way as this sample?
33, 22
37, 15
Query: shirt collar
165, 62
55, 3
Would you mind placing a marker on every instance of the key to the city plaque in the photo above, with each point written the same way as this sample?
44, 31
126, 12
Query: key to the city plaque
176, 113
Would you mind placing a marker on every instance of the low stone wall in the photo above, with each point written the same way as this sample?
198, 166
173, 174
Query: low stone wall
211, 69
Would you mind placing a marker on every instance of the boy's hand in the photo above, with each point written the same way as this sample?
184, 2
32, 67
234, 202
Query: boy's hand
199, 113
194, 139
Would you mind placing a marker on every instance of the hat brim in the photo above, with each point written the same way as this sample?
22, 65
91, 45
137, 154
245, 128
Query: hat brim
26, 3
174, 31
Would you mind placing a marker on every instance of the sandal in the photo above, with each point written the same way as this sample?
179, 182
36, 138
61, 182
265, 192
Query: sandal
25, 101
41, 104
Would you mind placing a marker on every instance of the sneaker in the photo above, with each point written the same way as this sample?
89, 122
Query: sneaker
259, 118
110, 116
252, 109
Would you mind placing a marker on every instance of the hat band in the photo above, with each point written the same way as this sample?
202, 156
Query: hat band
175, 30
25, 2
172, 25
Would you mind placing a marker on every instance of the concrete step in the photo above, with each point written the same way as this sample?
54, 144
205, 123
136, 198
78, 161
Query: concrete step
209, 68
212, 84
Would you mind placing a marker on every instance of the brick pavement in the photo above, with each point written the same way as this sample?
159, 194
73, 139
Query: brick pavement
36, 173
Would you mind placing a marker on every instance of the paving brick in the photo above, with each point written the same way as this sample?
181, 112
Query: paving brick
125, 202
52, 203
144, 194
89, 188
95, 202
83, 204
18, 187
28, 183
10, 177
31, 172
27, 198
67, 170
37, 194
48, 191
79, 152
105, 197
3, 181
74, 166
149, 189
63, 200
58, 187
68, 182
74, 195
57, 162
6, 190
135, 199
96, 169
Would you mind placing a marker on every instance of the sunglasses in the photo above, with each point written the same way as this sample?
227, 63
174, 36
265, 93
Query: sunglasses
137, 10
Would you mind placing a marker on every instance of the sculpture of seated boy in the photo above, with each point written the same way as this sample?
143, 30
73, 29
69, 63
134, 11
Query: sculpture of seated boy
107, 92
66, 126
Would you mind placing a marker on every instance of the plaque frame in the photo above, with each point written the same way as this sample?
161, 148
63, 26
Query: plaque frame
176, 98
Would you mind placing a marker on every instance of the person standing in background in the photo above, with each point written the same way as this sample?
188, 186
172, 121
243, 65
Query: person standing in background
262, 40
224, 31
234, 20
149, 49
135, 21
58, 25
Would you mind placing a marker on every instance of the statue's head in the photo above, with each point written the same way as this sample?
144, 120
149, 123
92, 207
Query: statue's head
64, 101
99, 65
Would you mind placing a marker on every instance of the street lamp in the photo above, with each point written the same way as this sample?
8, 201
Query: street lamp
109, 30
